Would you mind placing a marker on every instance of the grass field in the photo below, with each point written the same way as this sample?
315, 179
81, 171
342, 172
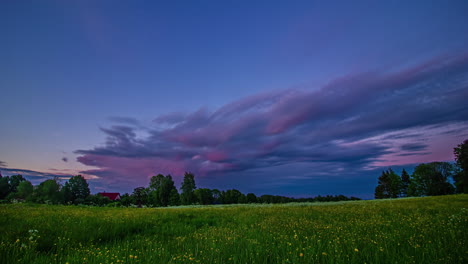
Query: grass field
417, 230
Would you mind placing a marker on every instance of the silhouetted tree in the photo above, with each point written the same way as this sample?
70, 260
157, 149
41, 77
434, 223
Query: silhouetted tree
48, 192
156, 182
174, 197
140, 196
461, 158
389, 185
216, 196
431, 179
97, 200
162, 191
4, 186
405, 181
251, 198
188, 187
15, 181
204, 196
25, 190
76, 190
232, 196
167, 186
125, 200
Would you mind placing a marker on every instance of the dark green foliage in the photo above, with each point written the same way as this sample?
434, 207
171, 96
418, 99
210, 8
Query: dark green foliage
216, 196
140, 196
24, 191
4, 187
204, 196
125, 200
232, 196
48, 192
76, 190
251, 198
15, 180
97, 200
405, 181
188, 187
461, 158
156, 182
431, 179
389, 185
161, 191
174, 197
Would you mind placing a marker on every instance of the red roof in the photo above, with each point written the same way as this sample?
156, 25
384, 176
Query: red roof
112, 196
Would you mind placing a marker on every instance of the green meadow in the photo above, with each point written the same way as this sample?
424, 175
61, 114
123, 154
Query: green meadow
411, 230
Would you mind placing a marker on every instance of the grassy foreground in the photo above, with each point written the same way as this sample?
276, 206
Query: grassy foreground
417, 230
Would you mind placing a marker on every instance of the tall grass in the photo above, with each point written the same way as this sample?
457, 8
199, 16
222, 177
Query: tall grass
418, 230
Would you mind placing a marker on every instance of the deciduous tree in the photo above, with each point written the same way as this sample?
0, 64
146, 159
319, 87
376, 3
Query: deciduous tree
48, 192
25, 190
405, 181
188, 187
204, 196
161, 191
461, 158
15, 181
389, 185
76, 189
4, 186
431, 179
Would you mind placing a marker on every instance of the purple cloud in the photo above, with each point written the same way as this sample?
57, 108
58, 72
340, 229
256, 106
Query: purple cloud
65, 159
358, 122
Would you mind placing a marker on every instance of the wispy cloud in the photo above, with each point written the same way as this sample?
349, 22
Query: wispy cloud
36, 177
352, 123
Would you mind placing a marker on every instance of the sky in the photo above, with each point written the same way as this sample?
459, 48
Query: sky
294, 98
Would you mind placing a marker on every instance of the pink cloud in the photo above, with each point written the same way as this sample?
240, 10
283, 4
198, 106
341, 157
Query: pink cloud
343, 123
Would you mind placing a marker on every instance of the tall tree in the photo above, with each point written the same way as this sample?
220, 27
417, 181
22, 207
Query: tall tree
389, 185
15, 181
140, 196
161, 191
232, 196
24, 190
48, 192
251, 198
174, 197
405, 181
216, 196
431, 179
461, 158
156, 182
165, 190
4, 187
76, 190
204, 196
188, 187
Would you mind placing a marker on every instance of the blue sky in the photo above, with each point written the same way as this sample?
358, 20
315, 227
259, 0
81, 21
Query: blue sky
282, 97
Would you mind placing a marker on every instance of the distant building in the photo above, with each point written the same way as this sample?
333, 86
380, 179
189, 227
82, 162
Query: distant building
111, 196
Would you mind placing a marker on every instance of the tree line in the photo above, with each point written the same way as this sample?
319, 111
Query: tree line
161, 192
428, 179
74, 191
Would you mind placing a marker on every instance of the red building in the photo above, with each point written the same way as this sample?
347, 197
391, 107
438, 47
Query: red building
112, 196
